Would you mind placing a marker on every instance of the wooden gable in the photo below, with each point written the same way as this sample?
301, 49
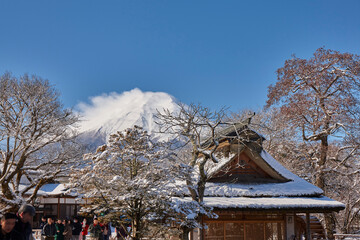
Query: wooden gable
246, 166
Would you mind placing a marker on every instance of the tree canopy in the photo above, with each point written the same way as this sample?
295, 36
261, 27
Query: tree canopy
319, 99
130, 178
35, 137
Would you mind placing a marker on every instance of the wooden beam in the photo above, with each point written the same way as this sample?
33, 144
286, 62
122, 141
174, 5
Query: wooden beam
308, 233
58, 208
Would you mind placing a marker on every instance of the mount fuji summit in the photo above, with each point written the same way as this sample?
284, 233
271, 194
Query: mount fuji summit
109, 113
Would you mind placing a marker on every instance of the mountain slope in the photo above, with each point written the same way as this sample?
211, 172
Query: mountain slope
107, 114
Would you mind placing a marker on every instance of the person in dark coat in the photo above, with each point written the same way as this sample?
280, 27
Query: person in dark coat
7, 231
23, 226
59, 235
67, 229
49, 230
76, 229
95, 230
42, 224
106, 231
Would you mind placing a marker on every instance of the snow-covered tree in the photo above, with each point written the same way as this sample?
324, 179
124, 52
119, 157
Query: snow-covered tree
193, 125
35, 138
130, 179
319, 98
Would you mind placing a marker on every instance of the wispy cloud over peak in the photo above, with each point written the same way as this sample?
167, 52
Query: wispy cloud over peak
116, 111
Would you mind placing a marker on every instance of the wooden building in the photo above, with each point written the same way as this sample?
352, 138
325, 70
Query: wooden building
54, 201
256, 197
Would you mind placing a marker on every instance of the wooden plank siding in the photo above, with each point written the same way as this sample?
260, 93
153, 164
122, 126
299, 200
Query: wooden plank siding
238, 225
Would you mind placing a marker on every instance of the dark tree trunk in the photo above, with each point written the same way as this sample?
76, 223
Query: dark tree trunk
320, 178
320, 182
185, 233
329, 225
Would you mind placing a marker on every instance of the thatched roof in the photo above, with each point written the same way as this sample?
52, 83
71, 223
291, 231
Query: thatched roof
235, 131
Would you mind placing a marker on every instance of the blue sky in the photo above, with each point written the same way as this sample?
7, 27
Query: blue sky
217, 53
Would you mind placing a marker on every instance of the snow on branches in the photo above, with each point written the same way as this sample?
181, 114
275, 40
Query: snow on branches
131, 178
319, 99
36, 139
194, 125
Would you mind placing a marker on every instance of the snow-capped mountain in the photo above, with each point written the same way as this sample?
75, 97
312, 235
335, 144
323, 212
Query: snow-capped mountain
113, 112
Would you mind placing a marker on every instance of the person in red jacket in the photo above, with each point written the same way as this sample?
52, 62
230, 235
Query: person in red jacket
85, 228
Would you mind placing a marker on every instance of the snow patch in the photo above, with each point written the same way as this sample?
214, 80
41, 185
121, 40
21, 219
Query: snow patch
269, 203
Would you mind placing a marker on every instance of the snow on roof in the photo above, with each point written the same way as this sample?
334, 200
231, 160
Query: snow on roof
271, 203
295, 187
212, 167
53, 189
60, 189
278, 167
31, 190
49, 187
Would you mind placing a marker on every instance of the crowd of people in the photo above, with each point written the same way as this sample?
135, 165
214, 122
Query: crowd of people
74, 230
17, 226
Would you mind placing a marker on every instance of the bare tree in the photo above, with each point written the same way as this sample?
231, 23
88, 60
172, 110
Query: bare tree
35, 138
344, 181
194, 125
319, 97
